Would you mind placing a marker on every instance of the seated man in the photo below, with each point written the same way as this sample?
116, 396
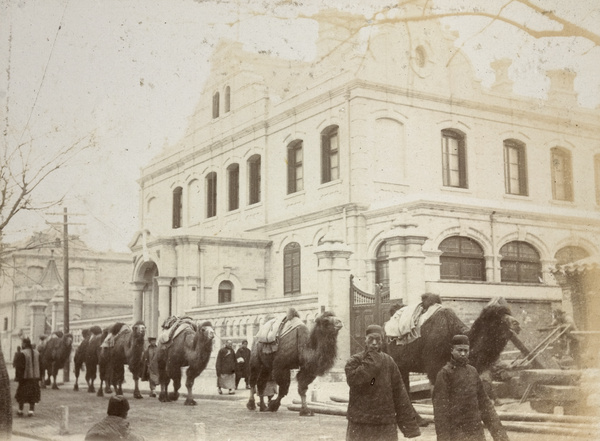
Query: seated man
113, 426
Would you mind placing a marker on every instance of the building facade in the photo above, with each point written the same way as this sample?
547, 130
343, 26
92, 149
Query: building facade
32, 288
384, 159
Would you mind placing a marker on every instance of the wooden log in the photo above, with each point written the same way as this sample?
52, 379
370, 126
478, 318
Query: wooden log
550, 376
527, 417
585, 432
546, 429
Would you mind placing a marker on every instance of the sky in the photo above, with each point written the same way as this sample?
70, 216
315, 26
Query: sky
124, 76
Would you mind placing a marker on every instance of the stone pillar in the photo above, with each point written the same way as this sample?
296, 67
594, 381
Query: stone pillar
138, 301
406, 266
333, 287
164, 286
415, 267
38, 320
489, 268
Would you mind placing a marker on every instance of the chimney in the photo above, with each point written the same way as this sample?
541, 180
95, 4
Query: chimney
503, 83
562, 92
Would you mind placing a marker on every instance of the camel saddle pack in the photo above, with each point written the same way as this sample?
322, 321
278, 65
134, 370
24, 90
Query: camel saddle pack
109, 341
270, 332
173, 326
405, 325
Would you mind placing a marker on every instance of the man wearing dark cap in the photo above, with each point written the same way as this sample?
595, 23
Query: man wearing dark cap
460, 403
113, 426
379, 403
150, 366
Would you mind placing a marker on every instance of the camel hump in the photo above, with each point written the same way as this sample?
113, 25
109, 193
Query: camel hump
116, 328
173, 326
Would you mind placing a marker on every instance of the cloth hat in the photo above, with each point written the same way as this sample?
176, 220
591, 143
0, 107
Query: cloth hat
151, 338
374, 329
460, 340
118, 406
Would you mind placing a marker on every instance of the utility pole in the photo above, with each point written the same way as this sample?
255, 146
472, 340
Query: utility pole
66, 273
66, 319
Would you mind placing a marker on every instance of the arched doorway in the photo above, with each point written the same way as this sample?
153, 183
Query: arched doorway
149, 296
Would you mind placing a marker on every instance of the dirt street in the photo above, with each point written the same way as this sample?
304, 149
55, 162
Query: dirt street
225, 417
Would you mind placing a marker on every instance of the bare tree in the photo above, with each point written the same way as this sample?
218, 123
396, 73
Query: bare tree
507, 12
23, 170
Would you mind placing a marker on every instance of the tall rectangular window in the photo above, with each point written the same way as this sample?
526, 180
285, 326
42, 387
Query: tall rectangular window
233, 172
515, 168
215, 105
597, 177
227, 99
177, 207
330, 162
562, 181
254, 179
454, 161
291, 268
211, 194
295, 172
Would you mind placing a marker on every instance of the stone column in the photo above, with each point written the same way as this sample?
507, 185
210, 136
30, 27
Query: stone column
38, 320
138, 300
164, 285
489, 268
333, 287
406, 266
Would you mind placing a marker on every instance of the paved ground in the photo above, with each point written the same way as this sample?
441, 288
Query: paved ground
224, 417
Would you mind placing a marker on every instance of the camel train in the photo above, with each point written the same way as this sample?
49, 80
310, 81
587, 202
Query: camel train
282, 344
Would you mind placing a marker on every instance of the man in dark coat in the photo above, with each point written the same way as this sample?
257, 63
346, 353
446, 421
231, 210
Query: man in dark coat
242, 367
149, 372
114, 426
460, 403
225, 367
27, 374
379, 403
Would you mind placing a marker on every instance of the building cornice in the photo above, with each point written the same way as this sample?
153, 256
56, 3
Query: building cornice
586, 119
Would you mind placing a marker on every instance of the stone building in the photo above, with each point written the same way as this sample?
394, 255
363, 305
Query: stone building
32, 287
383, 158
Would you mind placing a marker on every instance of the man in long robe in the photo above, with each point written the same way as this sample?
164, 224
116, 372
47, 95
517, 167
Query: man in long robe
379, 403
460, 403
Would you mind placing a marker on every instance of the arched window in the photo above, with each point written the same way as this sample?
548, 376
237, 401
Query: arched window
461, 259
515, 167
34, 275
177, 207
225, 291
233, 182
330, 158
254, 179
570, 254
215, 105
454, 159
382, 266
227, 99
520, 263
211, 194
295, 172
562, 176
291, 269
